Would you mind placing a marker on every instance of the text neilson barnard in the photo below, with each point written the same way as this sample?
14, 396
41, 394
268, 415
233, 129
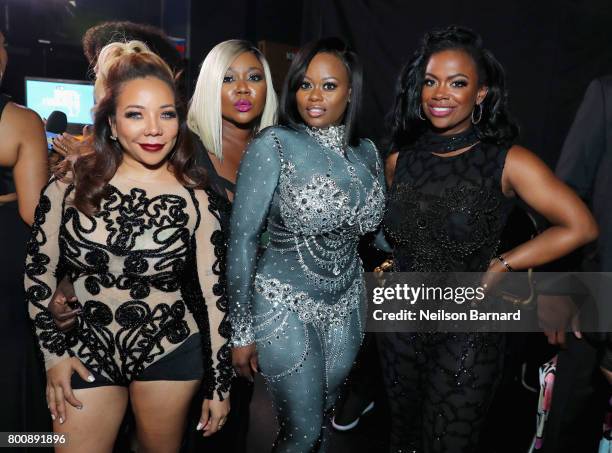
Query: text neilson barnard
443, 315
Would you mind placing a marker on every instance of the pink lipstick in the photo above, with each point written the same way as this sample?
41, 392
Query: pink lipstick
315, 111
440, 111
243, 105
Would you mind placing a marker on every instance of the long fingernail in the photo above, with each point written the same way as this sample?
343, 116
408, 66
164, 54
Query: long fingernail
90, 378
200, 426
52, 417
61, 420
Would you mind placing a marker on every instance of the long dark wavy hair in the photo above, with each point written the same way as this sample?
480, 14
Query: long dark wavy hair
119, 63
289, 114
496, 124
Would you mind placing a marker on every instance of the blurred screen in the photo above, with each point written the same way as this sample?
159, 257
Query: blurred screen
73, 97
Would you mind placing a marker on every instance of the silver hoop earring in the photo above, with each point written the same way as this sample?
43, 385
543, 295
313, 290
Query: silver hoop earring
476, 121
420, 114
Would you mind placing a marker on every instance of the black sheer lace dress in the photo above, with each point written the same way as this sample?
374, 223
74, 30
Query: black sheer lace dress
444, 214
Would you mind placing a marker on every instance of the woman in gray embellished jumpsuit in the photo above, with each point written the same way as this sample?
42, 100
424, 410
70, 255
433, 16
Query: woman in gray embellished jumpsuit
297, 311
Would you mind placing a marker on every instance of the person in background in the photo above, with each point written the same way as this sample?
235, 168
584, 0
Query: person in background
580, 393
23, 157
23, 173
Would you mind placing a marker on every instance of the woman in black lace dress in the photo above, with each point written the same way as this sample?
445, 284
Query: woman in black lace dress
453, 173
133, 229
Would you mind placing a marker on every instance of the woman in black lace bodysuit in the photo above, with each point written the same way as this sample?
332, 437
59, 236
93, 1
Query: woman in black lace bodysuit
453, 173
133, 230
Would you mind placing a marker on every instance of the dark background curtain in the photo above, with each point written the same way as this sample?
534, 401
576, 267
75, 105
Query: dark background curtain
550, 50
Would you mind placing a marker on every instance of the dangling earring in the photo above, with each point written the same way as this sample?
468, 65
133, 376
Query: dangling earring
113, 138
420, 114
476, 121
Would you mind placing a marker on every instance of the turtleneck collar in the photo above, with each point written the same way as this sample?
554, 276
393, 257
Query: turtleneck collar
442, 144
331, 137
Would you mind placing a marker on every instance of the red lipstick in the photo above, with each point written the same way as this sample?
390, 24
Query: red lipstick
151, 147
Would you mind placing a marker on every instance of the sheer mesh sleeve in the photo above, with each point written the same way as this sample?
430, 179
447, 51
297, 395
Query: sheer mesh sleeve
210, 247
257, 180
42, 258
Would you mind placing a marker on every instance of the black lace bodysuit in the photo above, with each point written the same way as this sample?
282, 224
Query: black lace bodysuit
146, 269
444, 214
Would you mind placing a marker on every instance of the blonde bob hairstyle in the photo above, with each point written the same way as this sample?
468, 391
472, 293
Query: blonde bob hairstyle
205, 116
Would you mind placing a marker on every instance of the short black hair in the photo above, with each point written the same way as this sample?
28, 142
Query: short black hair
496, 125
289, 114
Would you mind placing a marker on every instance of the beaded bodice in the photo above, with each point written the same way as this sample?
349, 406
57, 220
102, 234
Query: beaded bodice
317, 203
319, 197
446, 213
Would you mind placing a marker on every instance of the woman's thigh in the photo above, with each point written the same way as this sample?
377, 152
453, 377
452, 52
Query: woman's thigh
160, 409
294, 368
94, 427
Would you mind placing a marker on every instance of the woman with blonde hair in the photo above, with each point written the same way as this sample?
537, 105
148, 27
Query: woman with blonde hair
136, 232
233, 100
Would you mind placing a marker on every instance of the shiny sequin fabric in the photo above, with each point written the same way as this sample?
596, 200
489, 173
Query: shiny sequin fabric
146, 272
444, 214
302, 301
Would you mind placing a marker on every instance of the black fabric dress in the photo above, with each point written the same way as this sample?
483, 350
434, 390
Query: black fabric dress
444, 214
22, 374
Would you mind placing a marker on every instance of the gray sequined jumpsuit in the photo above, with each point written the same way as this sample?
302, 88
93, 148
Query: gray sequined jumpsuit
302, 301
